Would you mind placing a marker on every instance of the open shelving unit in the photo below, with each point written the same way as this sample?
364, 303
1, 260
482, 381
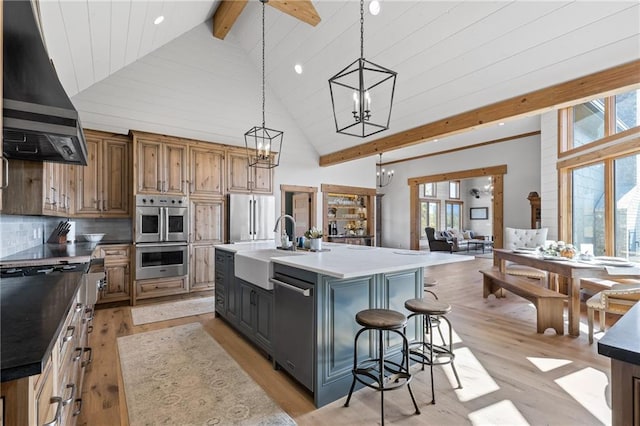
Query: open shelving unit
349, 214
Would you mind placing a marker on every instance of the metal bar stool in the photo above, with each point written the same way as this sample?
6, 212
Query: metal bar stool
430, 282
380, 373
426, 352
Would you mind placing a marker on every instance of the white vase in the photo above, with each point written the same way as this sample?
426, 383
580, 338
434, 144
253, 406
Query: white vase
315, 244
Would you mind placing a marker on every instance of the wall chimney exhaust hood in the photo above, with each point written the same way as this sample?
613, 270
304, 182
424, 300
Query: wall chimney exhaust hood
39, 121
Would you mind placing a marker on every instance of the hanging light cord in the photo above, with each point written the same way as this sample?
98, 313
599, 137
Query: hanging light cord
263, 101
362, 29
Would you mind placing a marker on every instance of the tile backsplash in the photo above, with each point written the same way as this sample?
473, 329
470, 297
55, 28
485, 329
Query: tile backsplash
19, 233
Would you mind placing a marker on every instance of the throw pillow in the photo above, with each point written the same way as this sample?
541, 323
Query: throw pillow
467, 235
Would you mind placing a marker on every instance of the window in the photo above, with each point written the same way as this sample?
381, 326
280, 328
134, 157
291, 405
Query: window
627, 207
429, 215
588, 207
428, 190
454, 190
590, 122
453, 214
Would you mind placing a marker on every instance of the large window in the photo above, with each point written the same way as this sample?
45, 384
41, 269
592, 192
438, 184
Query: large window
602, 210
453, 214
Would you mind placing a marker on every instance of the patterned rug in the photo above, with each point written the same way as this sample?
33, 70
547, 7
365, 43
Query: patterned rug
167, 311
181, 376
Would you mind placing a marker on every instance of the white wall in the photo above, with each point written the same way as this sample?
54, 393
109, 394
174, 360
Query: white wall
549, 173
522, 158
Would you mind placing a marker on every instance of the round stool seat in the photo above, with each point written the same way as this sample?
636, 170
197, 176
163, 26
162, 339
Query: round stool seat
430, 282
428, 307
385, 319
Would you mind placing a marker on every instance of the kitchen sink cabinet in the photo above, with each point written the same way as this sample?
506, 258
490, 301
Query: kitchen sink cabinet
224, 277
161, 166
255, 313
202, 271
242, 178
38, 188
104, 186
206, 171
117, 267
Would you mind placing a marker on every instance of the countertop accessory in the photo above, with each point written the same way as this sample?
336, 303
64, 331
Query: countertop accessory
93, 238
59, 234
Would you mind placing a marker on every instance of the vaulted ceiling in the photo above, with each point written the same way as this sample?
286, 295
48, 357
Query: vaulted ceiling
451, 56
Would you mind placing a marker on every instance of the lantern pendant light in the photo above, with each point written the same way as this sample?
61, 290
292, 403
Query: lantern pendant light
356, 89
263, 144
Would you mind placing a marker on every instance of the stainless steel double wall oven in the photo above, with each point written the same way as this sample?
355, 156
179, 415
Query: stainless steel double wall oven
162, 233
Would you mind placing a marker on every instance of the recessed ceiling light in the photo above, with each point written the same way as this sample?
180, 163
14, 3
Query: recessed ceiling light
298, 68
374, 7
435, 140
158, 20
500, 124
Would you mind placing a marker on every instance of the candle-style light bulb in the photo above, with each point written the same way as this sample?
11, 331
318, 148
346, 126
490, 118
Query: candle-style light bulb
367, 101
355, 101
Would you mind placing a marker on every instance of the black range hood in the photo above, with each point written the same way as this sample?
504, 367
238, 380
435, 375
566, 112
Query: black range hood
39, 121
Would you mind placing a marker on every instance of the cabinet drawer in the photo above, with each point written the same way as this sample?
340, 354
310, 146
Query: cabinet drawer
46, 409
161, 287
114, 251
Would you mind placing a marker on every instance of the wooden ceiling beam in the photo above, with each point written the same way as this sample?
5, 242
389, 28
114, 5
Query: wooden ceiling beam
299, 9
226, 15
626, 75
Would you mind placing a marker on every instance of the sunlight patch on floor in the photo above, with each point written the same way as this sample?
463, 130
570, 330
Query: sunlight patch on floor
475, 380
444, 328
548, 364
500, 413
588, 387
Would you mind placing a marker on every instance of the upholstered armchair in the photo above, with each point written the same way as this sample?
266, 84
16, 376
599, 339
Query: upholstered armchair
515, 238
436, 244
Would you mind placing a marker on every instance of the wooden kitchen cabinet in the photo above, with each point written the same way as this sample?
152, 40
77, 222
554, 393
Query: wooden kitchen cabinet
206, 171
117, 268
202, 271
103, 186
242, 178
158, 287
39, 188
161, 166
206, 221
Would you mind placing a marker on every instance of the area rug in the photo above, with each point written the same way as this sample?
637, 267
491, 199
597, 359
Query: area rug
182, 376
167, 311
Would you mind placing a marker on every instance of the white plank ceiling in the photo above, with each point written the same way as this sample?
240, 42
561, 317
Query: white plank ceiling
123, 71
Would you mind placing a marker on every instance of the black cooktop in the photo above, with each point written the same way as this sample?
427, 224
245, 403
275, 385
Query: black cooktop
27, 271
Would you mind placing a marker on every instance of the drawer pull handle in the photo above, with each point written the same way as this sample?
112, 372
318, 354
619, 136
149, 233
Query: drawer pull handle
68, 336
78, 403
78, 307
78, 351
71, 386
87, 361
56, 419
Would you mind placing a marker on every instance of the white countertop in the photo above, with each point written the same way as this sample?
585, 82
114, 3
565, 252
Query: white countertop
350, 261
249, 245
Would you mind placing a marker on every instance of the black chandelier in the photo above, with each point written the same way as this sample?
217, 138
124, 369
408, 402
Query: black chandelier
383, 176
355, 88
263, 144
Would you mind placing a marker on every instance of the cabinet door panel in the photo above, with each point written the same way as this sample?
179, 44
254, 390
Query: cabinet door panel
238, 172
202, 273
246, 307
207, 172
89, 180
262, 180
206, 221
117, 283
116, 177
149, 167
263, 317
175, 166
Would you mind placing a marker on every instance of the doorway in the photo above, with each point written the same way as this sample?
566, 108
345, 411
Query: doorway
299, 202
497, 173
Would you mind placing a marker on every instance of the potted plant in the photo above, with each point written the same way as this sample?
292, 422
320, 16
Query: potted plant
315, 238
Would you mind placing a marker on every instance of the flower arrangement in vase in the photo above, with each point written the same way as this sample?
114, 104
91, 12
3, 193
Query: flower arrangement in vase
315, 238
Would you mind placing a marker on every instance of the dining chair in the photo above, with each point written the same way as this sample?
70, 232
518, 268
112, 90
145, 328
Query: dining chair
618, 300
530, 238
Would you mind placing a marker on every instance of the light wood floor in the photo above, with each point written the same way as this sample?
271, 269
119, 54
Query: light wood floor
510, 374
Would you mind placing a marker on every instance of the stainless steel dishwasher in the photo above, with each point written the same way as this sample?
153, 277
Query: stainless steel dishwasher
294, 326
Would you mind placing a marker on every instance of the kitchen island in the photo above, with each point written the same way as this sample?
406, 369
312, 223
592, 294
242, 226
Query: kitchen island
307, 322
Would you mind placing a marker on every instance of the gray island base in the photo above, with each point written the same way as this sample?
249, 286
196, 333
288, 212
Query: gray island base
304, 317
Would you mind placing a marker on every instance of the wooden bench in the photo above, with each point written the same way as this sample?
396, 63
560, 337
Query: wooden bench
549, 304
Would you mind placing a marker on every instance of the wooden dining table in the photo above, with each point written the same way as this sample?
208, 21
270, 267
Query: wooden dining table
572, 270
